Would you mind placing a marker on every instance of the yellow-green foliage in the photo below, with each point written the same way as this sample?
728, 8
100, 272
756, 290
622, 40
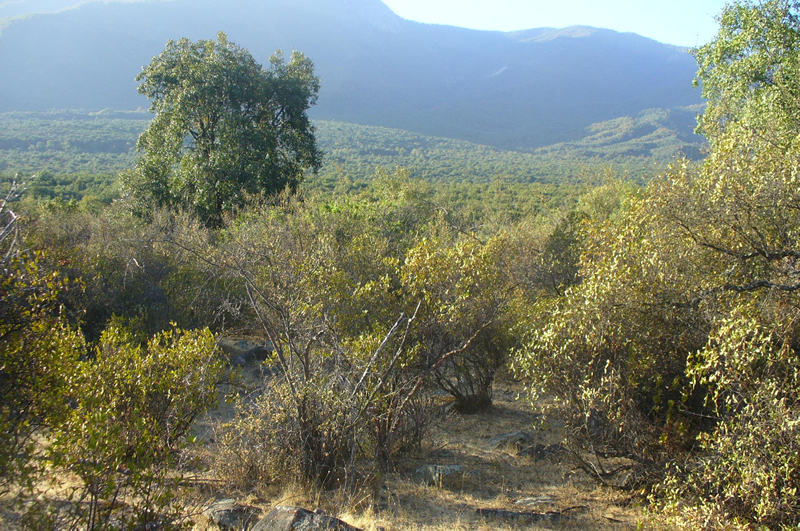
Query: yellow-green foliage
132, 406
115, 417
37, 350
749, 469
463, 291
679, 346
614, 346
367, 302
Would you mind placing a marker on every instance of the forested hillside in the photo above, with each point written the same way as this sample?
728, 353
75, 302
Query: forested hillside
206, 323
512, 91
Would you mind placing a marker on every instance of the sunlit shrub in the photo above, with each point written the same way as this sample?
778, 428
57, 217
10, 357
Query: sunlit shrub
132, 407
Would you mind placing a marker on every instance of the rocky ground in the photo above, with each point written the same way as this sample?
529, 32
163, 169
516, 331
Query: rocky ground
504, 468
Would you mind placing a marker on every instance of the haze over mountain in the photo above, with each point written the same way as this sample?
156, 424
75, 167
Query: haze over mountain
517, 90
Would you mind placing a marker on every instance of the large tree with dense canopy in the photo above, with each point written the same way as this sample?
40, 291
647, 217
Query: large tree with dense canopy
224, 128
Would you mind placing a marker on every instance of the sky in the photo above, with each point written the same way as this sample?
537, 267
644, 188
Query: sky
680, 22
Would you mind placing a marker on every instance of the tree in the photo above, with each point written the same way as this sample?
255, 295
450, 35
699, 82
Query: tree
224, 128
678, 349
749, 71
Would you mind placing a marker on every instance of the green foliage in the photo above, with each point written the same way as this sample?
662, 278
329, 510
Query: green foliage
751, 469
367, 301
740, 215
326, 318
743, 212
36, 362
71, 143
37, 350
464, 295
132, 408
679, 345
116, 419
749, 70
126, 269
98, 145
640, 146
224, 127
614, 346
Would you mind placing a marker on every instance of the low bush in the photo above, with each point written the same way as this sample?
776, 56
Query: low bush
132, 407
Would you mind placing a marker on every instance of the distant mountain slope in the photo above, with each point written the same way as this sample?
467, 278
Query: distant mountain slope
517, 90
660, 134
641, 146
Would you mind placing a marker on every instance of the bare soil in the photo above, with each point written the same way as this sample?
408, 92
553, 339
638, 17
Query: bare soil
500, 490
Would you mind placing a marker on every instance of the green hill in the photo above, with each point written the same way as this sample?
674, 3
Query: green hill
513, 91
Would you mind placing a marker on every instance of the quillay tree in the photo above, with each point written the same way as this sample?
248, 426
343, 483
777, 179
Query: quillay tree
225, 128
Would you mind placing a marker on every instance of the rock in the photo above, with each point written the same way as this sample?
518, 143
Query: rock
516, 440
528, 516
447, 476
228, 515
537, 500
242, 352
541, 451
285, 518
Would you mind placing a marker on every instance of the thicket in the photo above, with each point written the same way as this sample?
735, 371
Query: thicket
102, 420
371, 303
677, 350
663, 320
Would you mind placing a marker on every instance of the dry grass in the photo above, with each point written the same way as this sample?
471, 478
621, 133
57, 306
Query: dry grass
500, 479
495, 479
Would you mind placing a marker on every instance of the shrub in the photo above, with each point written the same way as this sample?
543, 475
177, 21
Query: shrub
38, 351
129, 270
358, 333
748, 468
464, 296
132, 408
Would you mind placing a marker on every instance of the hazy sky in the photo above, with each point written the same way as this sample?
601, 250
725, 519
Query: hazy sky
681, 22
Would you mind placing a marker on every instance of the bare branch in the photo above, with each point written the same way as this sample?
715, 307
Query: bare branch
422, 377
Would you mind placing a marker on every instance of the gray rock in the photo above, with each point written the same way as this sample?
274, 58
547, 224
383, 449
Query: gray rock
535, 500
285, 518
515, 440
242, 352
527, 516
228, 515
447, 476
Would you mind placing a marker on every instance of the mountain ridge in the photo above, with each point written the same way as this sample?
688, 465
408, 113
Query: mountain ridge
514, 90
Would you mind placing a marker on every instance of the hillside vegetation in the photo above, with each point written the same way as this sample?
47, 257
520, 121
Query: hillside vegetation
72, 154
509, 91
359, 327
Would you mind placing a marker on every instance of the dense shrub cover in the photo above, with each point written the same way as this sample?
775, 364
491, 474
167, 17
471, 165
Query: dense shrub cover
679, 346
663, 320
